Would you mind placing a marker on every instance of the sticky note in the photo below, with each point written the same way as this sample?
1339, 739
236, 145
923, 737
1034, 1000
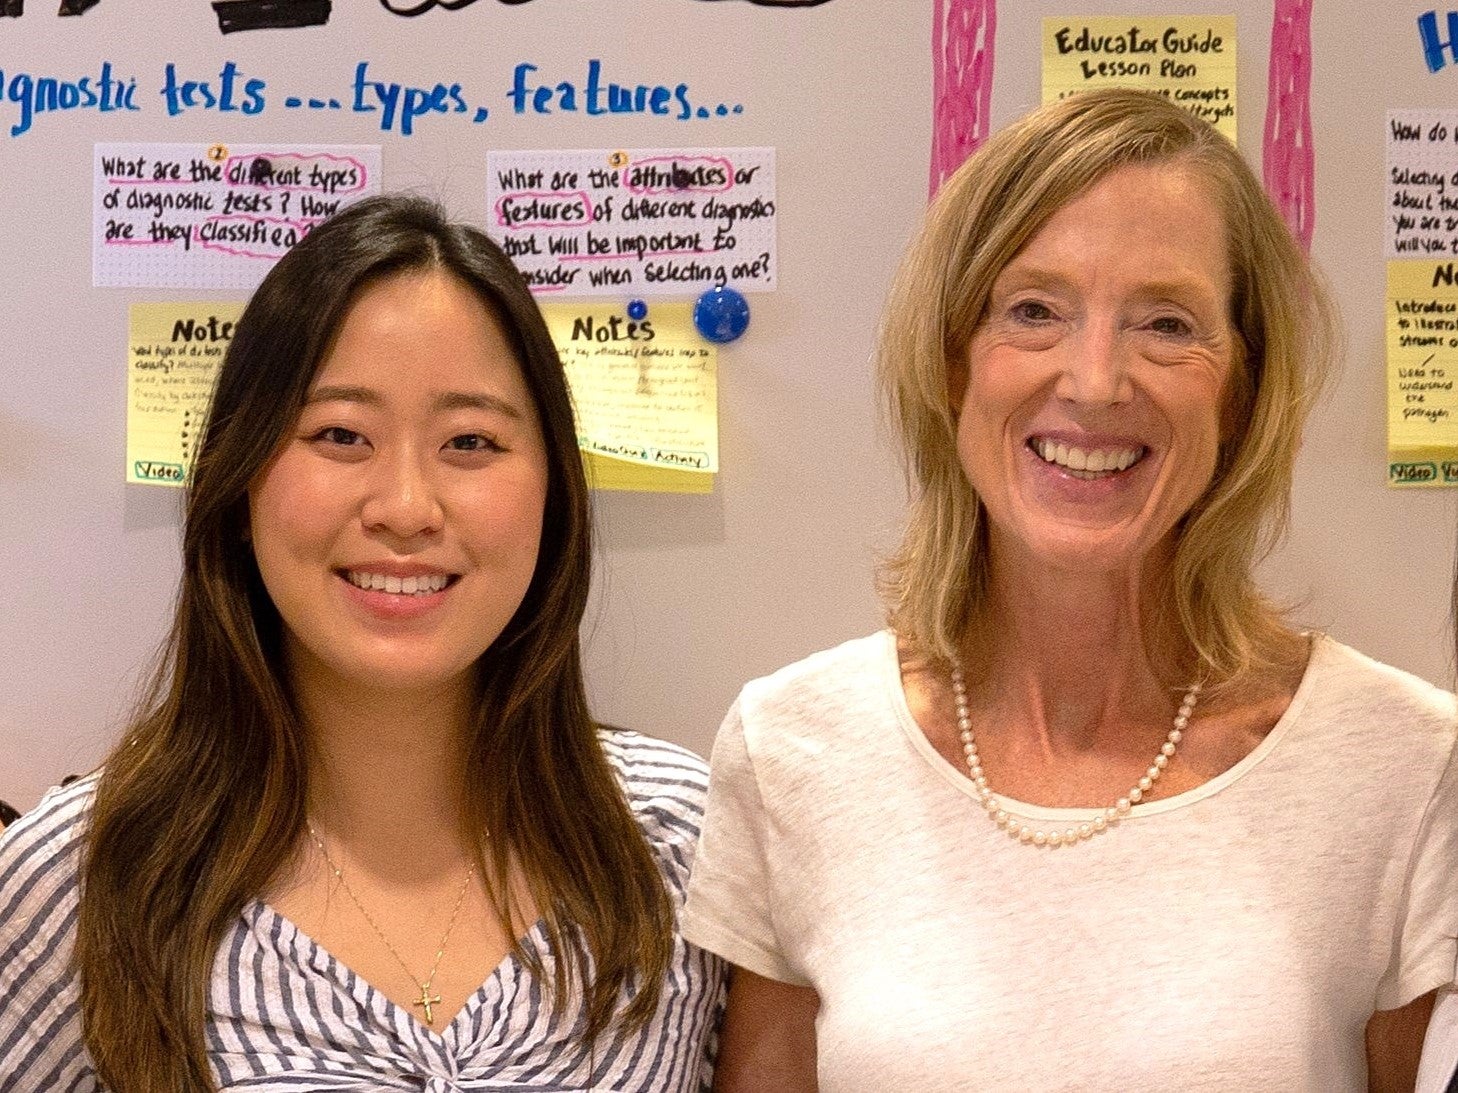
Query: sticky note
174, 354
645, 393
1187, 58
1422, 365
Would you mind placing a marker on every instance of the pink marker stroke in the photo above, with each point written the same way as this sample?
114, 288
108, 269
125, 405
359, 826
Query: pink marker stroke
1289, 156
152, 182
351, 164
305, 159
688, 162
164, 242
589, 212
276, 236
630, 256
963, 35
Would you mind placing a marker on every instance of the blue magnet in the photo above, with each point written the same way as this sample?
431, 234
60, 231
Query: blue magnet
637, 310
721, 314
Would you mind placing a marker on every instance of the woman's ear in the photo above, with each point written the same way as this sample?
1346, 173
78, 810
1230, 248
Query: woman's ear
1240, 396
956, 384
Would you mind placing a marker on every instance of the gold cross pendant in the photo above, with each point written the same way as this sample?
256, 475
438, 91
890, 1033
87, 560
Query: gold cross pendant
427, 1001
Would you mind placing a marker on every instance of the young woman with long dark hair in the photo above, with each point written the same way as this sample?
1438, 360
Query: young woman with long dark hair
365, 833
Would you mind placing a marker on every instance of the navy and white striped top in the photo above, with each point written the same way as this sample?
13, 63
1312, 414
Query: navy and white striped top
284, 1015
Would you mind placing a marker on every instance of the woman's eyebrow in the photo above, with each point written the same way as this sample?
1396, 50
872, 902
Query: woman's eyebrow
477, 400
446, 401
343, 393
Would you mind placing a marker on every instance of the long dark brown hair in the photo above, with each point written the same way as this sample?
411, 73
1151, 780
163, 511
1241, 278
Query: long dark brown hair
203, 801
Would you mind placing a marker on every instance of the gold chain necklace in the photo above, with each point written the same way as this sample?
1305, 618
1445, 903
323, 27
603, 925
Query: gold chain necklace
426, 999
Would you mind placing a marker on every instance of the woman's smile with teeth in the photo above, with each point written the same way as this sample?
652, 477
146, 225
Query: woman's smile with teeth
421, 585
1085, 462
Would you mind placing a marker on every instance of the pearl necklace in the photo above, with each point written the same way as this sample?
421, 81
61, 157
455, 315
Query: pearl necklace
1077, 833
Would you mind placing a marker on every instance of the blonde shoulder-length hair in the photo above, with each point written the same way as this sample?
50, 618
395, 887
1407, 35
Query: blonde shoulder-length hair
935, 585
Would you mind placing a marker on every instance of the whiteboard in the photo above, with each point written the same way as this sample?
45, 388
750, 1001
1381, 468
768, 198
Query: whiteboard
693, 594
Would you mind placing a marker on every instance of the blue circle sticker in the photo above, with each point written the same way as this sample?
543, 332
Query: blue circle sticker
637, 310
721, 314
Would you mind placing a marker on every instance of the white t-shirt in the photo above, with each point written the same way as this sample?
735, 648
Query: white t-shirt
1235, 937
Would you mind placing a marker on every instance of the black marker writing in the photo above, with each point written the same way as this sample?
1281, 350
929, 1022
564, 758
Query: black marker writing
236, 15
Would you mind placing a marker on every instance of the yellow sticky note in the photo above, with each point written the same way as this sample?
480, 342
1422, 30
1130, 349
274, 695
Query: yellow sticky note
1187, 58
646, 395
607, 473
1422, 364
173, 357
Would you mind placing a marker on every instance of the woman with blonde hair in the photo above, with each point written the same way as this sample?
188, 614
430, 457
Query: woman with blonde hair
1088, 814
365, 834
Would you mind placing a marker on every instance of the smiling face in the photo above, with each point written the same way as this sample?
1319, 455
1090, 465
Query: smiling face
1090, 414
397, 527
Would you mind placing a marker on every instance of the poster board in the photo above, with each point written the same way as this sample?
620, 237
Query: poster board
694, 594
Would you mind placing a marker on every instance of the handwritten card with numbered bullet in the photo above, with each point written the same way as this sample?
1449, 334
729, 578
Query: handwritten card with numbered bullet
644, 221
214, 216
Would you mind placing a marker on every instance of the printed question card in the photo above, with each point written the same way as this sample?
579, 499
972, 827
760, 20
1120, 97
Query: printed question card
1188, 58
213, 216
638, 222
173, 357
646, 395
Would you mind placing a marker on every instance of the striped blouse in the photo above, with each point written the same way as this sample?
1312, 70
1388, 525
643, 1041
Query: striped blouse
284, 1015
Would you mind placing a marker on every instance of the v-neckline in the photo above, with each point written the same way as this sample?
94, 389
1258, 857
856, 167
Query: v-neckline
260, 914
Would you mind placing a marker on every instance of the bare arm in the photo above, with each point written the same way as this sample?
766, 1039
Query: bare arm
1394, 1042
768, 1041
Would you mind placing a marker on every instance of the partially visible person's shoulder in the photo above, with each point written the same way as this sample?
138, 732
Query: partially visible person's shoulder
1353, 683
48, 837
665, 783
41, 1043
847, 669
40, 857
840, 697
1400, 728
